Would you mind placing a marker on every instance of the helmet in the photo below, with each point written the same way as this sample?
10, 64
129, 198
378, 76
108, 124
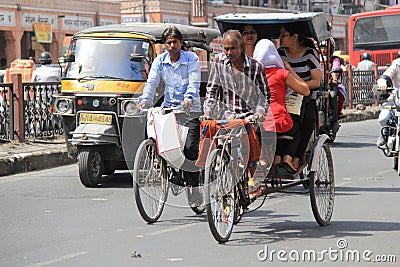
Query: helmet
366, 56
45, 58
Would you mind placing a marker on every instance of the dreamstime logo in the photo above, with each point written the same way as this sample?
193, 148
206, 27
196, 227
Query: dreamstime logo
340, 253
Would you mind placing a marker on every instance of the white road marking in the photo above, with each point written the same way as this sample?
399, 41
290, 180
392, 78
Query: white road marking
59, 259
172, 229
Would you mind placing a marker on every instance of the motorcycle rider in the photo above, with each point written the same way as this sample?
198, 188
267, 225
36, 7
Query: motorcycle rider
366, 63
390, 78
338, 92
46, 72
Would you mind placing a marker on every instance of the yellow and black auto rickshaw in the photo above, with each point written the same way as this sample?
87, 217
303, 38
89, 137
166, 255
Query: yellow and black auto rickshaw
105, 70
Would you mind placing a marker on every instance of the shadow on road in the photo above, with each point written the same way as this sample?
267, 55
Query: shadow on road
117, 180
266, 232
365, 189
353, 144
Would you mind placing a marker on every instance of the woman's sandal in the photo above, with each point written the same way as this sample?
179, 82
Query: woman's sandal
255, 187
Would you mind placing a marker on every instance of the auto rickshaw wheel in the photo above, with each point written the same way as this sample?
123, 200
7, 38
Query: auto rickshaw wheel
108, 167
90, 166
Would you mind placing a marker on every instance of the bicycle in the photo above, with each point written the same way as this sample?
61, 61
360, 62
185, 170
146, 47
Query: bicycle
153, 175
226, 177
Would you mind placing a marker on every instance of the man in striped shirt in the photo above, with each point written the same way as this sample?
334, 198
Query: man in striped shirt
237, 81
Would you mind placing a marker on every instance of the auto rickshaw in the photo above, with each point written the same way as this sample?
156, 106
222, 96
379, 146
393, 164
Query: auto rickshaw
105, 70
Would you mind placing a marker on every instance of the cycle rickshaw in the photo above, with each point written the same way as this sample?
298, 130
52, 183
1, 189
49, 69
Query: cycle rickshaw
226, 176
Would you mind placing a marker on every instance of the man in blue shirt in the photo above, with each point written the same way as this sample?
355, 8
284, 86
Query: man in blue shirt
180, 72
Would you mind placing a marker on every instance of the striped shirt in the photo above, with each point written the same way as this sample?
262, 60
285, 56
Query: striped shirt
365, 65
242, 94
304, 64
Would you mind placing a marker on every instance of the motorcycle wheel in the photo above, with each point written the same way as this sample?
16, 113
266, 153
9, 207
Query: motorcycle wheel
396, 163
90, 166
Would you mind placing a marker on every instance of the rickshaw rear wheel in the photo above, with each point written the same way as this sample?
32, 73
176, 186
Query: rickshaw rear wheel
150, 181
220, 195
90, 166
322, 187
396, 163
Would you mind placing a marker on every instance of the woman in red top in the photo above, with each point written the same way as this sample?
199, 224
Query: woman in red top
282, 79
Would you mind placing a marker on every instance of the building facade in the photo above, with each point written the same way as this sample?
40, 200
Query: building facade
29, 27
202, 12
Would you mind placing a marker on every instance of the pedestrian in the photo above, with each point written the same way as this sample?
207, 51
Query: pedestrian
366, 63
46, 72
180, 72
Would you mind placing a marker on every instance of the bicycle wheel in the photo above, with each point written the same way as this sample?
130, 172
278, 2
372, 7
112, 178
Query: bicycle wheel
220, 196
322, 187
150, 183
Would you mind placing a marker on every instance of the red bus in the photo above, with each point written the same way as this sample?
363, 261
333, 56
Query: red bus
376, 32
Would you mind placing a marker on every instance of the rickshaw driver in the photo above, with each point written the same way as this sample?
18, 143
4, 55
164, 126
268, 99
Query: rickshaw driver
243, 83
180, 71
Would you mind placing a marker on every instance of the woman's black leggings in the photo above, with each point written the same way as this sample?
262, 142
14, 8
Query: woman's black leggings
308, 120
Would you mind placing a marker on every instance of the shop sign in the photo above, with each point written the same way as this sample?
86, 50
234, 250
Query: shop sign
76, 23
7, 18
27, 19
43, 32
104, 21
175, 20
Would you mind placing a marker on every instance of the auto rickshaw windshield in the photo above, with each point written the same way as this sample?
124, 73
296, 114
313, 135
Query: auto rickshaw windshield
125, 59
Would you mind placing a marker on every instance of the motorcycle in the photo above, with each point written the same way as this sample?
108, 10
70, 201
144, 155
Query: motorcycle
391, 131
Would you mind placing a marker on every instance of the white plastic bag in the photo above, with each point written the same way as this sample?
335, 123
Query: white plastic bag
170, 138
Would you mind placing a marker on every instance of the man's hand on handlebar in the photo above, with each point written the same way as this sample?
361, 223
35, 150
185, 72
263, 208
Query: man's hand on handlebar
141, 106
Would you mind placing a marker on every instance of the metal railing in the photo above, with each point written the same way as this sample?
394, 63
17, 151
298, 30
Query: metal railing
39, 121
26, 111
360, 86
6, 111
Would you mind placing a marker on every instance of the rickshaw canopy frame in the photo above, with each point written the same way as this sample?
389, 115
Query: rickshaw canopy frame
316, 25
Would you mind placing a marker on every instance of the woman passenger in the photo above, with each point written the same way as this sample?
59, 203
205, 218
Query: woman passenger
299, 52
280, 75
249, 36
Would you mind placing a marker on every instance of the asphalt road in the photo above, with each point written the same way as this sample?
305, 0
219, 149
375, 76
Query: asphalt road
49, 219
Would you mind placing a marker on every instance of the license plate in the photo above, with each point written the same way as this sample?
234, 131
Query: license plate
95, 118
397, 113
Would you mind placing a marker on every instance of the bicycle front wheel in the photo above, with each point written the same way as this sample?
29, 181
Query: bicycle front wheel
220, 195
322, 187
150, 183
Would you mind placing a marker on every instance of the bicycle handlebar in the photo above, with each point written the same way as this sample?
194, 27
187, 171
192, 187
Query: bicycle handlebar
162, 108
